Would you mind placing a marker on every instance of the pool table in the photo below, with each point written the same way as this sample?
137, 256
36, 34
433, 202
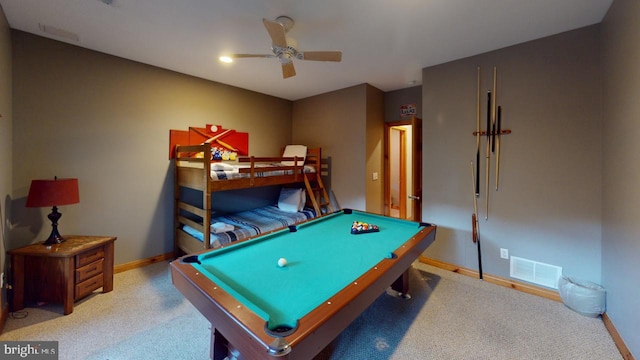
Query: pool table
263, 309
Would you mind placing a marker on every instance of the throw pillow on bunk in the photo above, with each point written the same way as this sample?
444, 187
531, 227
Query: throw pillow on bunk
303, 199
292, 151
289, 199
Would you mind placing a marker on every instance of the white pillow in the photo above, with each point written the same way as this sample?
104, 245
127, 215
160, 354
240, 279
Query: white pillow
303, 199
294, 150
220, 227
222, 166
289, 200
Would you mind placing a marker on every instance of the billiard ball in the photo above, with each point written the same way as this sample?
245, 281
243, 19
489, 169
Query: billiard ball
282, 262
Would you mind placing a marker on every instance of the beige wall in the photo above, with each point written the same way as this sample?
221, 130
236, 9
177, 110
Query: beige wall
393, 100
621, 170
106, 120
548, 207
348, 125
5, 138
336, 121
375, 151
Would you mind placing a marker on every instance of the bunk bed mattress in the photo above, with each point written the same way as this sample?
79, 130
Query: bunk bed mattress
222, 171
252, 222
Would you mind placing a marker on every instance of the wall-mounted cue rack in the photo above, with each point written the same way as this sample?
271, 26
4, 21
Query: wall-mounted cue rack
492, 133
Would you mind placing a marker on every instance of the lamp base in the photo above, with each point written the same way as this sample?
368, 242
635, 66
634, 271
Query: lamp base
54, 237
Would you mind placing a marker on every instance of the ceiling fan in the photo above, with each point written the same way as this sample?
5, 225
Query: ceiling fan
285, 48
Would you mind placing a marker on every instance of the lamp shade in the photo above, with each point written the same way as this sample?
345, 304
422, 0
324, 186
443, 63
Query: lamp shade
53, 192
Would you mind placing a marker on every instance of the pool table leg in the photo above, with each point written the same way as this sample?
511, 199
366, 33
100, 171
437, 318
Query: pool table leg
401, 285
219, 345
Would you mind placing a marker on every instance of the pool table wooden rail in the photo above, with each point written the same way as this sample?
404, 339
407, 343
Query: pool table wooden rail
233, 323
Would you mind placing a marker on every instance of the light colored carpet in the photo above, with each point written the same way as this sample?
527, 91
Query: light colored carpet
450, 316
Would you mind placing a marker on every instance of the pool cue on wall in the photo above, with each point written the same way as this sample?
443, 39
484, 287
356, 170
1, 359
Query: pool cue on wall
494, 99
498, 130
475, 226
493, 134
477, 181
488, 155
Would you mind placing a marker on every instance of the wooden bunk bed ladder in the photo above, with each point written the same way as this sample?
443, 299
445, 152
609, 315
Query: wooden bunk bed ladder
317, 193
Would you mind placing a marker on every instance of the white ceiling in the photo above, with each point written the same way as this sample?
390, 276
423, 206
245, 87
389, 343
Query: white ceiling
384, 43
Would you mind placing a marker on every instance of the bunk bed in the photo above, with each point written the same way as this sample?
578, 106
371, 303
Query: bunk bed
194, 169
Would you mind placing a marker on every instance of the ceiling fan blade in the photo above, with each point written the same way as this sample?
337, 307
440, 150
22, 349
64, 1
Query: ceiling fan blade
276, 32
239, 56
320, 55
288, 70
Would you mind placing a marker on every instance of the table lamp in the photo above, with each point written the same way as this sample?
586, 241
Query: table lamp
45, 193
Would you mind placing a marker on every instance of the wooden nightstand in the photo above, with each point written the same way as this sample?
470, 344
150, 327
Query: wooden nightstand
63, 272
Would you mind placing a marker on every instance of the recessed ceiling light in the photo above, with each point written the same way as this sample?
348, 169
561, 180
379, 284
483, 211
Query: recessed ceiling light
226, 59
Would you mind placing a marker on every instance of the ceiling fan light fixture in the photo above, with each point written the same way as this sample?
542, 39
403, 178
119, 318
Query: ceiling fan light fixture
285, 48
286, 22
285, 58
292, 42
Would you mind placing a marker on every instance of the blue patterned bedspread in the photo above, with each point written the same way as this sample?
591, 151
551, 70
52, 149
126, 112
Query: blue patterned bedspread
253, 222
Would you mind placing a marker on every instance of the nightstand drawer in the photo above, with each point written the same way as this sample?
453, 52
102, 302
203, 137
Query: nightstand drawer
88, 286
89, 256
87, 271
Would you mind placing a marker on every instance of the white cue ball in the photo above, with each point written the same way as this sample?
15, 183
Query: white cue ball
282, 262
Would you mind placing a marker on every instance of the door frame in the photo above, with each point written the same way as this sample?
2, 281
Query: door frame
401, 148
416, 165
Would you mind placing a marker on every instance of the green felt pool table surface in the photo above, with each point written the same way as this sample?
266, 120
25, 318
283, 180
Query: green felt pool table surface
330, 277
323, 256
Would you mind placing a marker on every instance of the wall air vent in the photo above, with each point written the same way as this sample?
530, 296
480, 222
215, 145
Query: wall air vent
535, 272
59, 33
